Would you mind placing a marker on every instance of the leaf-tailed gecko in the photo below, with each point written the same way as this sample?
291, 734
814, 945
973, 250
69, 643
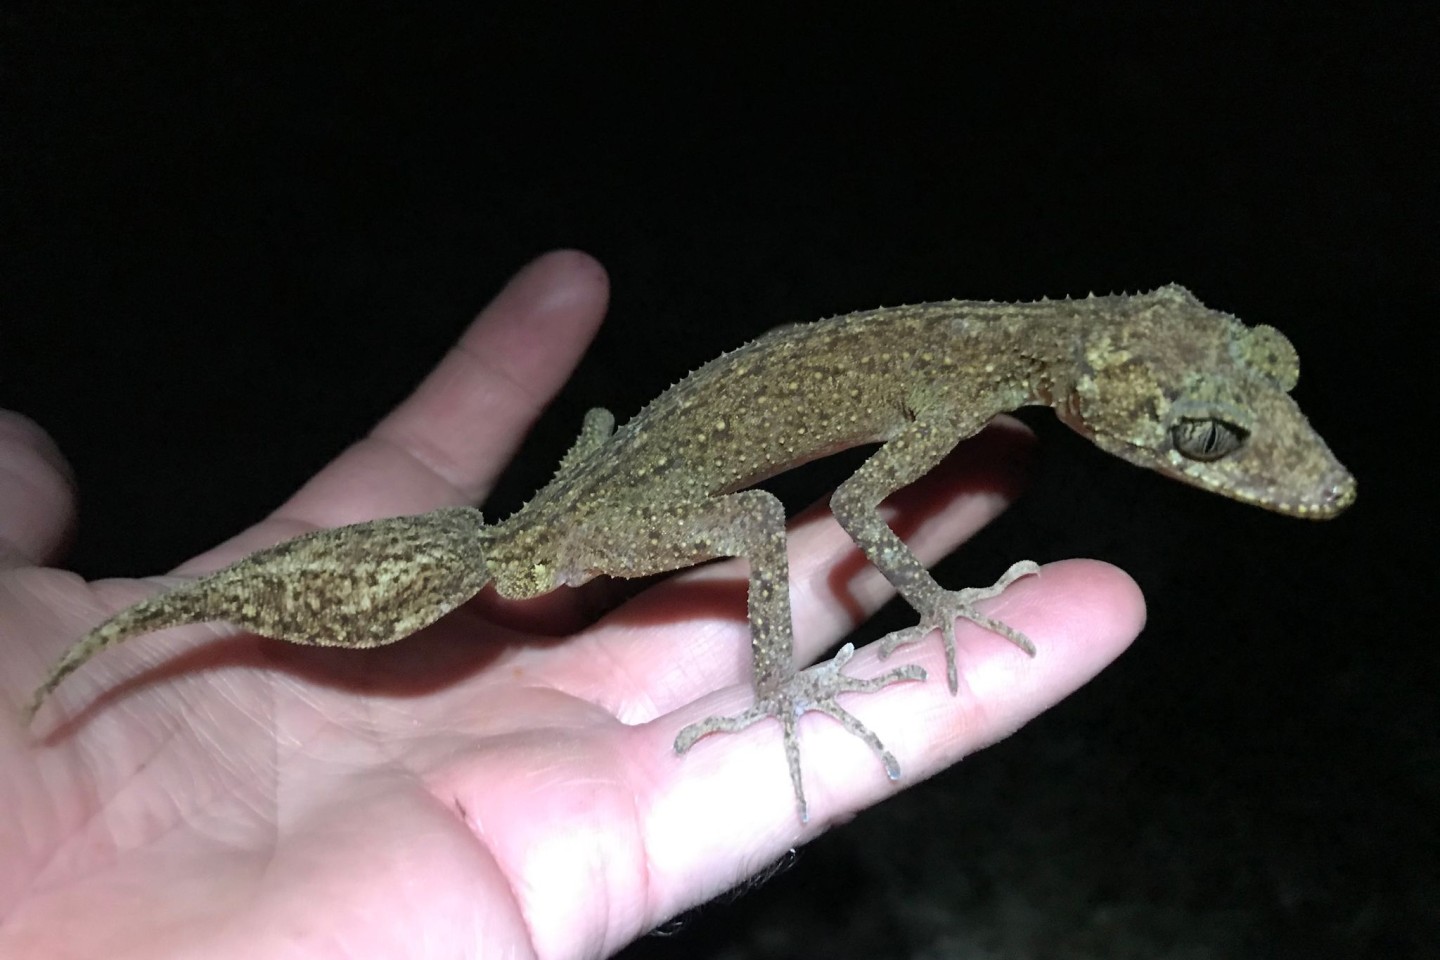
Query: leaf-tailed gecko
1158, 379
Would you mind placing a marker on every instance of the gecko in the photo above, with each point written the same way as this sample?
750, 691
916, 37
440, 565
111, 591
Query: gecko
1157, 379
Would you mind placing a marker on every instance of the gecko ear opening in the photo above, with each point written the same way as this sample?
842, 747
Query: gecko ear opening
1207, 438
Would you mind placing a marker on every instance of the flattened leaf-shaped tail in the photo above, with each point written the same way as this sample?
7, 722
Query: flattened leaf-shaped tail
362, 585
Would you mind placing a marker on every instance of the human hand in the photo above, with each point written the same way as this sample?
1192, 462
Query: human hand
484, 787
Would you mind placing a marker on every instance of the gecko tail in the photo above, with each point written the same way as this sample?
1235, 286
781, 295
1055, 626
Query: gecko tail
363, 585
170, 609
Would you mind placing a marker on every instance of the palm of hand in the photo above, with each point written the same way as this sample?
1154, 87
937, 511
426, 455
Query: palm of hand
479, 787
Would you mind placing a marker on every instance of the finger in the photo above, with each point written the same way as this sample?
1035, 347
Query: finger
37, 494
447, 442
1082, 614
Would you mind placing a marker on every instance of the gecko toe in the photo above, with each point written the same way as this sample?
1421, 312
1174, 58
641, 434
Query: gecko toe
814, 689
946, 606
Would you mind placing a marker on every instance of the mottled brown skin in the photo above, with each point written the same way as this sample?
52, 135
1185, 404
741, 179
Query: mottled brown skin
1157, 379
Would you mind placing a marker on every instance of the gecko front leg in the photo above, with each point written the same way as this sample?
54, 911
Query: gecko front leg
906, 457
751, 524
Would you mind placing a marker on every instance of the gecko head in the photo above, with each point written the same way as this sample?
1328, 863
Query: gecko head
1195, 394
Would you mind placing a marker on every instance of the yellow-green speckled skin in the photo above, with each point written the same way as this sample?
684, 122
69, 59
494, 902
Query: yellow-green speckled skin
1158, 379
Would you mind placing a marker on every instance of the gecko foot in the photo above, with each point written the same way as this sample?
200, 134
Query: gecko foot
947, 605
811, 689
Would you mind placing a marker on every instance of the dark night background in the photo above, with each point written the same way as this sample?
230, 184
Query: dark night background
235, 235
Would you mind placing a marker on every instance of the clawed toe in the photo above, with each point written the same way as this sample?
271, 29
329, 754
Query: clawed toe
815, 690
943, 610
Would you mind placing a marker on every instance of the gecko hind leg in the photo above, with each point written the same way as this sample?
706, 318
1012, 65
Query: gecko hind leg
940, 611
812, 689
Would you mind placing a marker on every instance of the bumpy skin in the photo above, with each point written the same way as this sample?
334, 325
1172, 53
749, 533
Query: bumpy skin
1157, 379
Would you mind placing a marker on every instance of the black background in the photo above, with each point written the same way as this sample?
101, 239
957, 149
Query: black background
236, 235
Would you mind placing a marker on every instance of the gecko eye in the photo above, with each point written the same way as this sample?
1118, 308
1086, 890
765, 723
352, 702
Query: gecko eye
1207, 439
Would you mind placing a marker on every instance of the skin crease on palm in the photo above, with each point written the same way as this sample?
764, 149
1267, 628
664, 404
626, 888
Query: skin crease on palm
485, 788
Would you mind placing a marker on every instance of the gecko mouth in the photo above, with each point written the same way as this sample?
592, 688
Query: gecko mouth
1329, 497
1332, 500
